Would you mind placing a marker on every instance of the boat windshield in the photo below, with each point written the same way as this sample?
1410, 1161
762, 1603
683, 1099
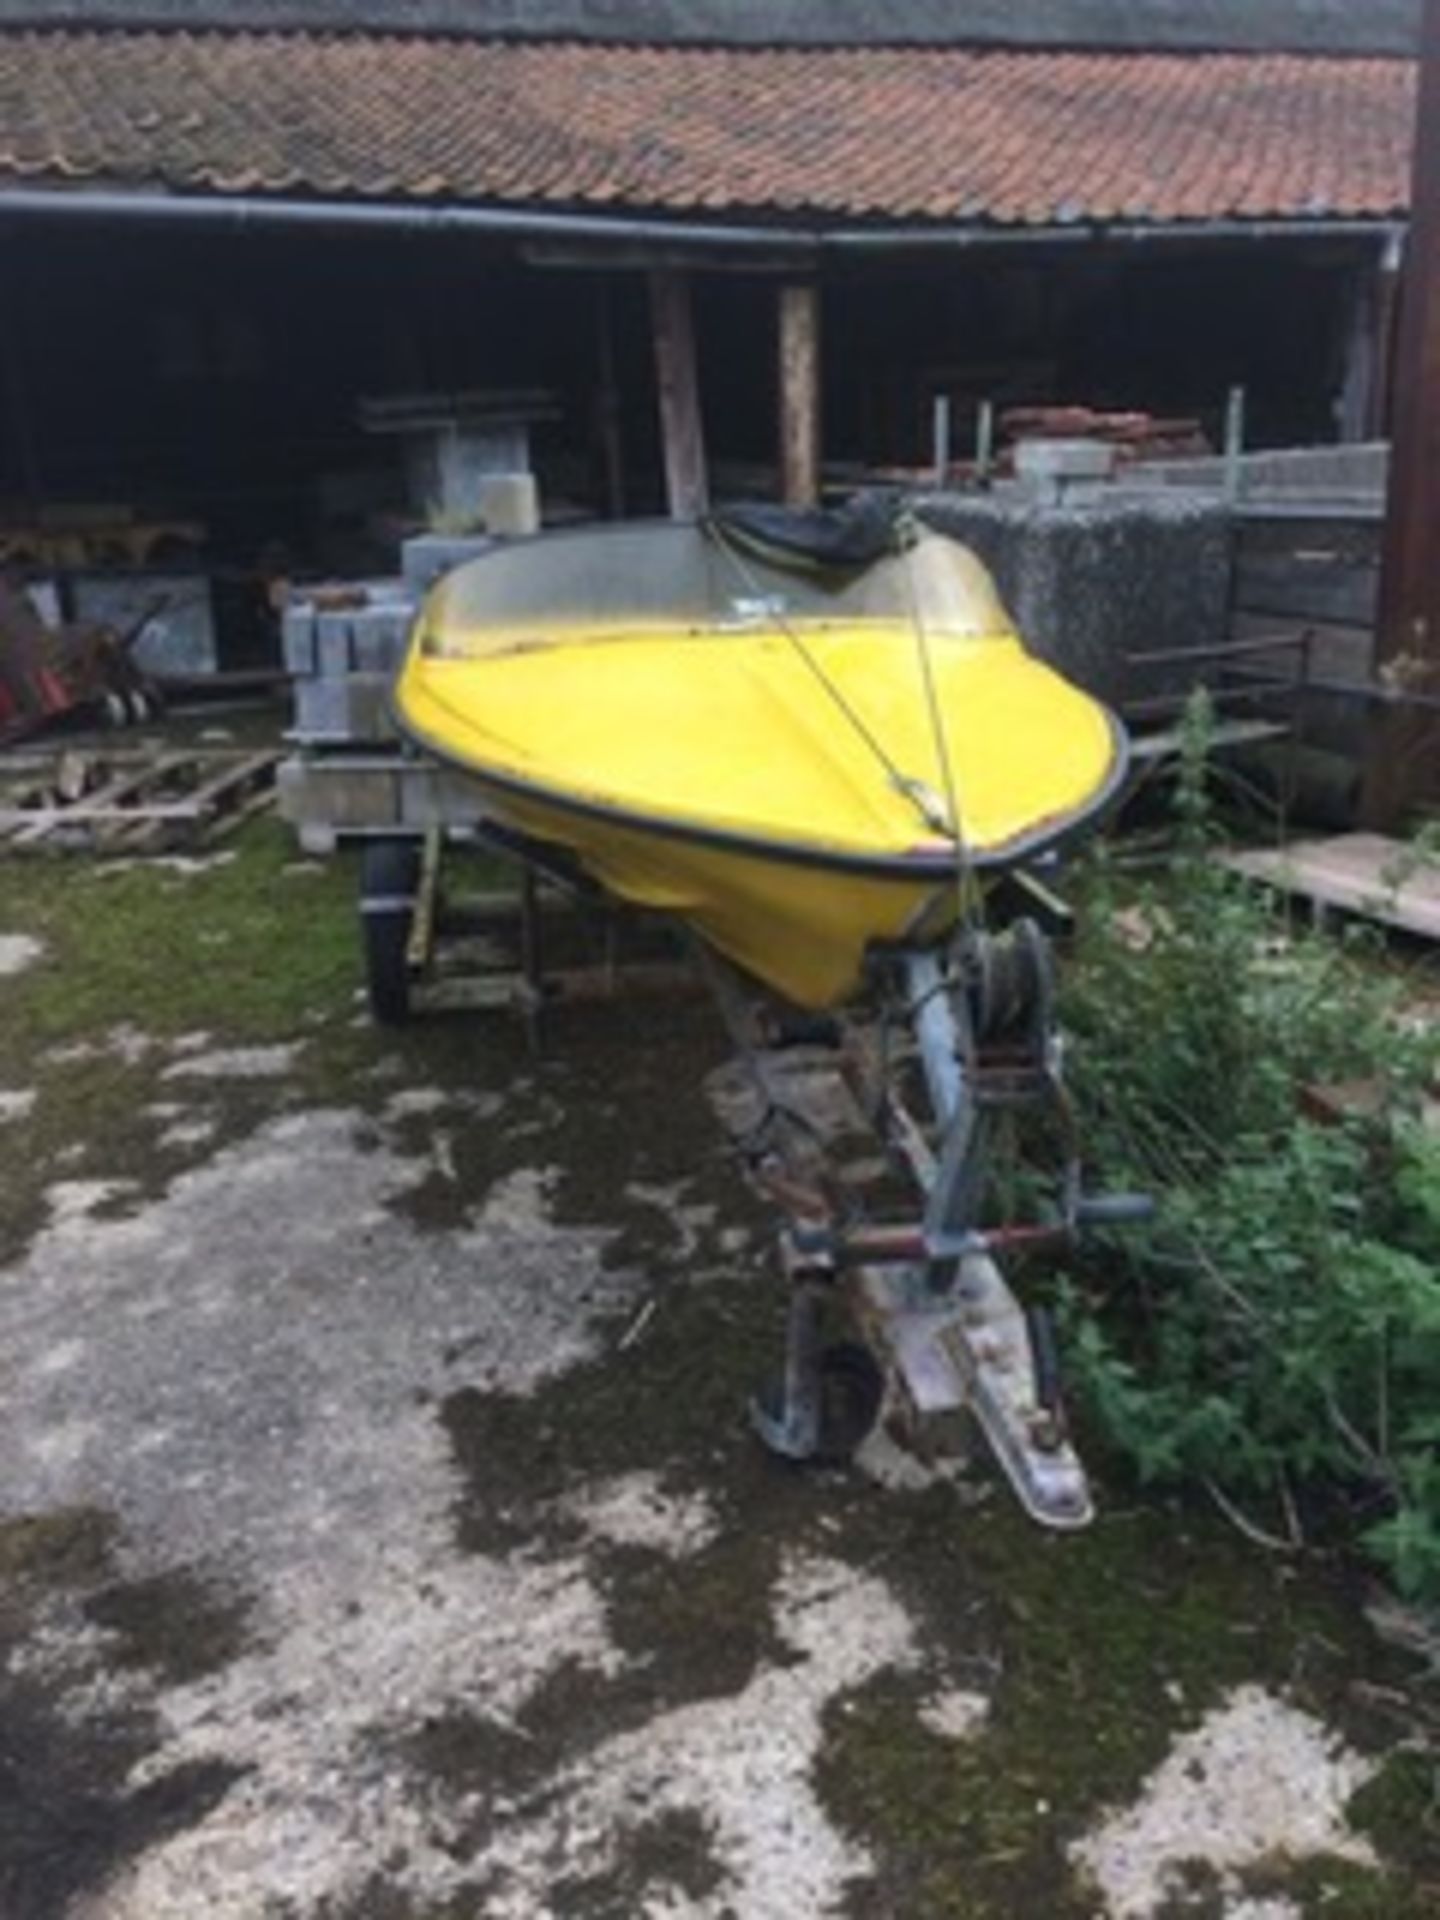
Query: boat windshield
647, 579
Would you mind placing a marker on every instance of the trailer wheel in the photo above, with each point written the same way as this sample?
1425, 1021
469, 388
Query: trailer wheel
389, 876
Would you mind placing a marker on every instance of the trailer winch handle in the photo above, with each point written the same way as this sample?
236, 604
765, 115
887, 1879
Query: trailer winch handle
1115, 1209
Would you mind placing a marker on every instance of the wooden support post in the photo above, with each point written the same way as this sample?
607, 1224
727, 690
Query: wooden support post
677, 378
607, 406
1387, 321
1402, 759
1361, 411
1354, 405
800, 393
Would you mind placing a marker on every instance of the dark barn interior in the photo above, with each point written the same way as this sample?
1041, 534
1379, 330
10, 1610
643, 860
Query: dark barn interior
215, 373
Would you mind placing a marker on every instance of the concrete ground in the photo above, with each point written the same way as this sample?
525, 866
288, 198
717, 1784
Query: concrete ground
382, 1536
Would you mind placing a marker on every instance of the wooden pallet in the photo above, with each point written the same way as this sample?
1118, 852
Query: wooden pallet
1148, 749
133, 800
1362, 873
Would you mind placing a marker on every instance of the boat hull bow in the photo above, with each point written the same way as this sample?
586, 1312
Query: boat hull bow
785, 777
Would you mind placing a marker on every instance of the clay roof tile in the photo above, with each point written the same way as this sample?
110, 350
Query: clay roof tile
914, 134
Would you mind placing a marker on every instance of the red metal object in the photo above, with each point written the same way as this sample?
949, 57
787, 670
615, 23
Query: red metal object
904, 1245
31, 689
46, 672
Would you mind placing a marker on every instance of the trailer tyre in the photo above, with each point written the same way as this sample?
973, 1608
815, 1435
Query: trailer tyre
389, 876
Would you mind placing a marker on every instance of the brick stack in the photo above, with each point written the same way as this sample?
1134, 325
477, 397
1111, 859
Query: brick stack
1134, 436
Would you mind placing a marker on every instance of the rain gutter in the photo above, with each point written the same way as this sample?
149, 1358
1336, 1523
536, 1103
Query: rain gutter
254, 211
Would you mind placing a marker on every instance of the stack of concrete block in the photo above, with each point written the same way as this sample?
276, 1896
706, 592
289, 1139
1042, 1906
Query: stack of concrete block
351, 776
342, 647
333, 797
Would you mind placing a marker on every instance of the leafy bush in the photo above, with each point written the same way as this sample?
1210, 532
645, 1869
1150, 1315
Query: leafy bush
1276, 1333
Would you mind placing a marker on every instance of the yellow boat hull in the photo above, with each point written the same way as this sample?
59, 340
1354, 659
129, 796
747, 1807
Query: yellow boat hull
804, 930
790, 789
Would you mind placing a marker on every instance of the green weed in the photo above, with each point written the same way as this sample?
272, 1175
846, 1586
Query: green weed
1276, 1333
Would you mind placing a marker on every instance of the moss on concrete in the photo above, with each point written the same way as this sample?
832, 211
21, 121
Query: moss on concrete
249, 953
1102, 1648
1096, 1649
72, 1815
1399, 1811
67, 1548
671, 1851
177, 1625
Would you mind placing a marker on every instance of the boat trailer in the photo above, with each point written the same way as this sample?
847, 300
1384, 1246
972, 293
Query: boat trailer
889, 1136
961, 1048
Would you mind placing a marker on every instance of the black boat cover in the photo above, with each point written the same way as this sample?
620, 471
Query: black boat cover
870, 527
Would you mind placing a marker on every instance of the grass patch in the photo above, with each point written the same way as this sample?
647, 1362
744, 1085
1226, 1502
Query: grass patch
246, 949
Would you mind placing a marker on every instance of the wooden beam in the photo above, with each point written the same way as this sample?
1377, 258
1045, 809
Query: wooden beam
799, 334
1352, 872
1402, 759
607, 406
682, 431
1387, 321
1355, 406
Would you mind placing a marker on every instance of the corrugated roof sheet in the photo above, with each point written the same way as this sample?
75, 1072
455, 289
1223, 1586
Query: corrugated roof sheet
944, 134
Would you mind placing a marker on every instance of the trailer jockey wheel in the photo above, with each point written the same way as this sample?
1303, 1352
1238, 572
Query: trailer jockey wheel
851, 1393
389, 877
